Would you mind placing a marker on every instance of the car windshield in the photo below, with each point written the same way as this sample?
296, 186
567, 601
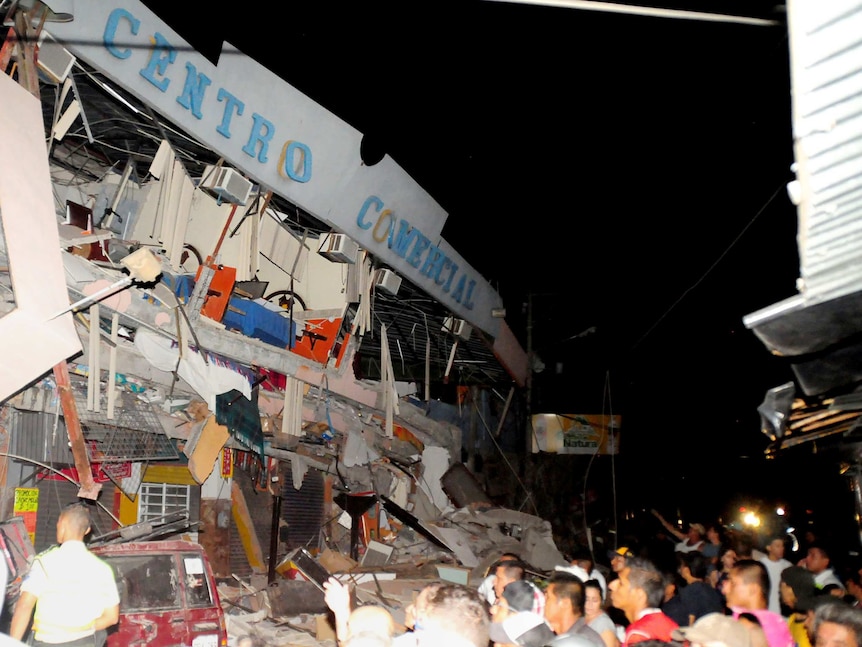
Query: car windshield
146, 582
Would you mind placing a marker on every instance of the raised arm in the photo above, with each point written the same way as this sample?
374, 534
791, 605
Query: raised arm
676, 532
337, 597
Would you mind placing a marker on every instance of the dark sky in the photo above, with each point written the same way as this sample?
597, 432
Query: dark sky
628, 172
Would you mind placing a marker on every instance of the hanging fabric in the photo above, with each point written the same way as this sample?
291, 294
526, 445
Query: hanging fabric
387, 382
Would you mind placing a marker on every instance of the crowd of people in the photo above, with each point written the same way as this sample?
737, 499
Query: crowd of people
710, 589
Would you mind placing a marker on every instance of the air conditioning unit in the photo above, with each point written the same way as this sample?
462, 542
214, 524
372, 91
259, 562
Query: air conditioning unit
54, 60
338, 248
457, 327
229, 185
387, 280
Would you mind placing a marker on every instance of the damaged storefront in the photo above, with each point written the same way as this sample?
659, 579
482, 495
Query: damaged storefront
223, 355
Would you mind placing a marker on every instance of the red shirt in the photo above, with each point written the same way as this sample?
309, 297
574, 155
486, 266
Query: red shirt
652, 625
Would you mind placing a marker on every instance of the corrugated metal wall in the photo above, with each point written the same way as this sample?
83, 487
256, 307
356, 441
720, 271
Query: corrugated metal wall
826, 77
54, 495
33, 436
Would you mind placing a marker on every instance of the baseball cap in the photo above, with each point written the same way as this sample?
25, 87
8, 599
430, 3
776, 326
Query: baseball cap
697, 526
715, 627
519, 595
622, 551
525, 628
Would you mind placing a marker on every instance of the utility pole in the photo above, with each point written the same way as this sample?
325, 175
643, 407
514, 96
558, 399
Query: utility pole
528, 431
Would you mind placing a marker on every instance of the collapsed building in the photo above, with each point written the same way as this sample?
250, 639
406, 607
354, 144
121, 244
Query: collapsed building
221, 323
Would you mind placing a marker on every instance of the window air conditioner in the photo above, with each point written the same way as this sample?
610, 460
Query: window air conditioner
387, 280
338, 248
54, 60
229, 185
457, 327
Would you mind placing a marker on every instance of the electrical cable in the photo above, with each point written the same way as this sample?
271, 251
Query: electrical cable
508, 464
65, 476
711, 267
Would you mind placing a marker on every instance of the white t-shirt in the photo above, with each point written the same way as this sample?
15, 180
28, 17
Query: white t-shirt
684, 547
774, 569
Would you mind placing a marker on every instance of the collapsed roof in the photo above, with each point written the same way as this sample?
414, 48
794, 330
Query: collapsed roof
127, 174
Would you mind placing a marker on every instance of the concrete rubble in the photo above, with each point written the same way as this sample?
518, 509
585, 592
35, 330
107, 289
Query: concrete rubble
291, 611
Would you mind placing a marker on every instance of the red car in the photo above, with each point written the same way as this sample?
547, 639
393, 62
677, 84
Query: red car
168, 595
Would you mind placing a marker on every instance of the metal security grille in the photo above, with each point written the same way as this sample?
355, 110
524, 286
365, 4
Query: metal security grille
302, 509
156, 500
133, 434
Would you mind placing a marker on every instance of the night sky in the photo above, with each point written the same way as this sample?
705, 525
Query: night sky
627, 172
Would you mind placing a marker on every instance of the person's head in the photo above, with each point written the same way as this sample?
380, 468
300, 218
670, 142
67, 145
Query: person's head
517, 597
619, 557
74, 523
837, 625
714, 630
713, 534
727, 558
640, 585
594, 600
584, 559
747, 585
370, 619
564, 601
854, 584
452, 611
507, 571
693, 566
696, 532
775, 547
671, 585
817, 559
796, 583
743, 544
420, 604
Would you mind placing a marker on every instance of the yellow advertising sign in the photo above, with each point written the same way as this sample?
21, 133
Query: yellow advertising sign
569, 433
26, 506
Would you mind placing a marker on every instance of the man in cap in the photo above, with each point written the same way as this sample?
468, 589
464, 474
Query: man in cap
686, 541
618, 558
715, 630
